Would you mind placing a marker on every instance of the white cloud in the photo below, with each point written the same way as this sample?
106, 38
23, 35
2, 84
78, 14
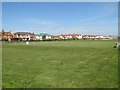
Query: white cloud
94, 18
38, 22
38, 25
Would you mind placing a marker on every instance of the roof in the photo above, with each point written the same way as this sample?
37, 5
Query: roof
89, 35
24, 33
43, 34
70, 35
55, 36
7, 34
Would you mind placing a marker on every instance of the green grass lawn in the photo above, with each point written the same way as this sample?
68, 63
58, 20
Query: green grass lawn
0, 65
60, 64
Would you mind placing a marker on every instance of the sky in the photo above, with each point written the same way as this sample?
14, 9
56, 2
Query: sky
98, 18
60, 0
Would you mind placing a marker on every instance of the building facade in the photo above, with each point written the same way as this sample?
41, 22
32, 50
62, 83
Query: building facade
43, 36
25, 36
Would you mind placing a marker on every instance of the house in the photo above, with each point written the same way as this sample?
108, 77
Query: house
43, 36
24, 36
57, 37
101, 37
71, 36
96, 37
113, 37
88, 37
0, 36
68, 36
77, 36
6, 35
38, 37
106, 38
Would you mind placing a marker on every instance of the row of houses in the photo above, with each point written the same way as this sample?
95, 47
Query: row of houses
24, 36
84, 37
17, 36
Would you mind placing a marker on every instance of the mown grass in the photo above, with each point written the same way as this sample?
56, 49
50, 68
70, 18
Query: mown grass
0, 65
60, 64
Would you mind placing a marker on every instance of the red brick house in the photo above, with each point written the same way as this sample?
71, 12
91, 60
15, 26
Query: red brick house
6, 35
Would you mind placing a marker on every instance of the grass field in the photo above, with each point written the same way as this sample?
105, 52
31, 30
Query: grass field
60, 64
0, 65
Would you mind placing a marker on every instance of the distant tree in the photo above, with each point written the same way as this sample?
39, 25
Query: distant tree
44, 37
3, 31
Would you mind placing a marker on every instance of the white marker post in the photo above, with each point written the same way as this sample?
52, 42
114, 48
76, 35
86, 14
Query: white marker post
9, 39
27, 43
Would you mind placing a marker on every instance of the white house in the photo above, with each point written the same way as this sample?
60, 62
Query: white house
96, 37
71, 36
88, 37
38, 37
43, 36
25, 35
106, 38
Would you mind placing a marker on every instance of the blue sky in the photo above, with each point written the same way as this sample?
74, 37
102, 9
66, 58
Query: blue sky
61, 17
60, 0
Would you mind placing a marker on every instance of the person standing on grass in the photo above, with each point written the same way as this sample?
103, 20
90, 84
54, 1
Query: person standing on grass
117, 44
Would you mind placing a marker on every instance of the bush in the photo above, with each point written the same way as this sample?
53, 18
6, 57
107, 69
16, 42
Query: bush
4, 39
